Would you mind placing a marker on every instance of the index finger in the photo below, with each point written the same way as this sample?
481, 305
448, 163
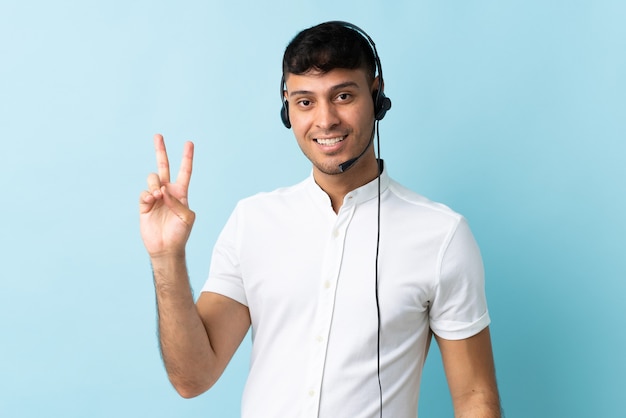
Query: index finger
163, 165
186, 165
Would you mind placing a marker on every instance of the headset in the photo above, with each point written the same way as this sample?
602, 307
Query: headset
381, 105
381, 102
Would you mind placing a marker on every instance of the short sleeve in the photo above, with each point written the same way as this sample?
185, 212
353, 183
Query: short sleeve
225, 275
459, 307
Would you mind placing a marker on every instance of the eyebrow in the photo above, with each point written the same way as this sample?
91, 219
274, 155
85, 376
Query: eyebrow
340, 86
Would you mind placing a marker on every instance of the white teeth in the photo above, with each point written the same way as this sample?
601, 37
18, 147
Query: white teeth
329, 141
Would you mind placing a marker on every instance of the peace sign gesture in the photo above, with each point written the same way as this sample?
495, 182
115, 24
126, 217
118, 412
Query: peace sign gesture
165, 219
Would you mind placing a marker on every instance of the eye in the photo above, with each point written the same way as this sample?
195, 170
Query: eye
304, 103
344, 97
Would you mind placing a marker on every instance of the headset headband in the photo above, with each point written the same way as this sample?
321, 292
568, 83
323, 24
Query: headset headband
381, 103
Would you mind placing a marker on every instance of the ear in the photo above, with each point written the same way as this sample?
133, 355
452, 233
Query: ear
283, 86
376, 84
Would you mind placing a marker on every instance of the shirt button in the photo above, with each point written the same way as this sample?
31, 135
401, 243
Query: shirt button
319, 338
327, 284
336, 233
311, 393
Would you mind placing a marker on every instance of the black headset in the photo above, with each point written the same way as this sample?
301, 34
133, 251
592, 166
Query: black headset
381, 102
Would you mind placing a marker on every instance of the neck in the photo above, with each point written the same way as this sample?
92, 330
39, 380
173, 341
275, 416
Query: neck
337, 186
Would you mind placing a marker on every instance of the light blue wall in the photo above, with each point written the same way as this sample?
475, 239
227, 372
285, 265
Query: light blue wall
513, 113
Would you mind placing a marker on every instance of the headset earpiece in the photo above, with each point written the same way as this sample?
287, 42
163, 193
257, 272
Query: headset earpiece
381, 104
284, 110
284, 114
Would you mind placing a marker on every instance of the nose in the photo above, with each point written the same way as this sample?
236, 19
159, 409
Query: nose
326, 116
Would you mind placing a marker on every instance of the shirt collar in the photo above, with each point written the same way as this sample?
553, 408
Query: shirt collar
357, 196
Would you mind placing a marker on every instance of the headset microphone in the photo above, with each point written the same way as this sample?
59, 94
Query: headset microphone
346, 165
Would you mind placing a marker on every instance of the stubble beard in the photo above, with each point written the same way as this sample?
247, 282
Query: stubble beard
329, 168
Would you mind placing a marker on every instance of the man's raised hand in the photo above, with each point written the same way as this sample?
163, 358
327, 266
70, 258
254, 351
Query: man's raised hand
164, 216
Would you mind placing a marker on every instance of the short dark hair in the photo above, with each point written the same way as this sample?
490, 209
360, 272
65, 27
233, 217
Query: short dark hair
327, 46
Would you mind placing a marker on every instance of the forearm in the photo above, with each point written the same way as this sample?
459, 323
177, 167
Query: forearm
478, 404
185, 347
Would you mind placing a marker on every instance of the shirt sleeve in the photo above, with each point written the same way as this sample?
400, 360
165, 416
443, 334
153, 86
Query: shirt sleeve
225, 275
459, 307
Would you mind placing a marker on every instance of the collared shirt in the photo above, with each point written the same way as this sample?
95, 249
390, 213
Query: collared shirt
308, 278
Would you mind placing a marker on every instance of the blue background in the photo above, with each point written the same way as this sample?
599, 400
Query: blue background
512, 113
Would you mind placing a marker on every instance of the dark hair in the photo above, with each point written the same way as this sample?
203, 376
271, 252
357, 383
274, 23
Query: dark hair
328, 46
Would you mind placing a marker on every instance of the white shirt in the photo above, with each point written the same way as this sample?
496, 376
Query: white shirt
308, 278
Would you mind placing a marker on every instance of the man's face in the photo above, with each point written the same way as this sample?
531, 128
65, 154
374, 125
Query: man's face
332, 116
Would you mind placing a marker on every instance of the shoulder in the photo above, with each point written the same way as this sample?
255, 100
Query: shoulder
275, 196
405, 199
283, 203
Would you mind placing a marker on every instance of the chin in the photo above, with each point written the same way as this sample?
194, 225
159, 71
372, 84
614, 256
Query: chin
329, 168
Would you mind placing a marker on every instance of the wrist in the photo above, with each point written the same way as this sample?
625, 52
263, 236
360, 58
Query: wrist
167, 257
167, 267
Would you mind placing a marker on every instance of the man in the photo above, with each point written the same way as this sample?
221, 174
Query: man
344, 277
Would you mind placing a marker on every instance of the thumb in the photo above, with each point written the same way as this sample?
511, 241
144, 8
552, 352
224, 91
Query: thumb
186, 215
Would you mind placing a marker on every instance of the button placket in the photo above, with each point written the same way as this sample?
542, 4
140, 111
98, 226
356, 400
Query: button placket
326, 302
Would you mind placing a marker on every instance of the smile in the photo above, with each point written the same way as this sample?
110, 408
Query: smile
330, 141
